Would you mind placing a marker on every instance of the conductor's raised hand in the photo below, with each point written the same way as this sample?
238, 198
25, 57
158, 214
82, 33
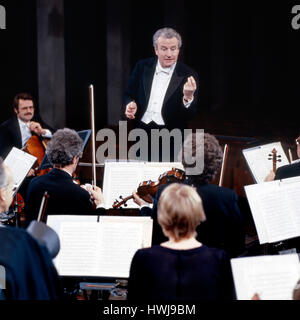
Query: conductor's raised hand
131, 109
189, 88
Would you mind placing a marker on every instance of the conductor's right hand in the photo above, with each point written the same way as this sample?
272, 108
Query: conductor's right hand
131, 109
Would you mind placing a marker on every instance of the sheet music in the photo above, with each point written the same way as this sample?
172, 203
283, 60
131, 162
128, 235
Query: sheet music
20, 163
119, 241
257, 159
122, 178
55, 221
146, 222
103, 249
78, 249
272, 277
275, 208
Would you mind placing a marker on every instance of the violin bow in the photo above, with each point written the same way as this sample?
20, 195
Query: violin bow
92, 109
43, 206
290, 155
225, 153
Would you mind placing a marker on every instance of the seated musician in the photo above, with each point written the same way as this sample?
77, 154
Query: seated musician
65, 196
287, 171
223, 227
29, 271
182, 268
16, 131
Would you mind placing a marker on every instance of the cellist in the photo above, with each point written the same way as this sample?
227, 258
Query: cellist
16, 131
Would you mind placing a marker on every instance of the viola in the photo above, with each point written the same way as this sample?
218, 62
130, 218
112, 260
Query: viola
147, 189
275, 158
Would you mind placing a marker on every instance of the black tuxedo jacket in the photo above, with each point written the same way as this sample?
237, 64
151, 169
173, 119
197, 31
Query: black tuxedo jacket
29, 270
288, 171
10, 134
65, 197
174, 113
223, 227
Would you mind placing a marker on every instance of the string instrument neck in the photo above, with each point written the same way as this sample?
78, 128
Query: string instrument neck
275, 158
147, 189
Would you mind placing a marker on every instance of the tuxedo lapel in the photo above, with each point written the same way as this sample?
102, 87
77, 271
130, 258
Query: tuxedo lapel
148, 78
176, 79
16, 133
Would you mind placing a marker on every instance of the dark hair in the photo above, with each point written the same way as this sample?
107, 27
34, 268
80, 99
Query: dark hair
213, 156
63, 147
23, 96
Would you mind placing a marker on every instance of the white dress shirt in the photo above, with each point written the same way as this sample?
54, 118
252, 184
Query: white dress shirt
160, 84
26, 133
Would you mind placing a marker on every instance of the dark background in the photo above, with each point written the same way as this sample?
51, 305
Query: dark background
247, 56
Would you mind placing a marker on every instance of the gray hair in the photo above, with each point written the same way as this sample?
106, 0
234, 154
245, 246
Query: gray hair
3, 175
64, 146
167, 33
213, 156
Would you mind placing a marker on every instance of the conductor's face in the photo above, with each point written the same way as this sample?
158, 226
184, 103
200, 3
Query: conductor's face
25, 111
167, 51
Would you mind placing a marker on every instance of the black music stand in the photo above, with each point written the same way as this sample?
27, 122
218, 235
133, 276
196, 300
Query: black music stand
84, 135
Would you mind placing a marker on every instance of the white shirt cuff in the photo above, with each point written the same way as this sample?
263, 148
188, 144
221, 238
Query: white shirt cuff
187, 104
100, 205
47, 134
149, 205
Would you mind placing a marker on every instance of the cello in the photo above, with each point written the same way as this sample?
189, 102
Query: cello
37, 148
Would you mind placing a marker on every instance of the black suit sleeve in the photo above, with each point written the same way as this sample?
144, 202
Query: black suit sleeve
131, 93
136, 281
100, 211
6, 142
191, 111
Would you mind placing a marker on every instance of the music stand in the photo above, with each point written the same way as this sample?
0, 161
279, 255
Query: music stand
84, 135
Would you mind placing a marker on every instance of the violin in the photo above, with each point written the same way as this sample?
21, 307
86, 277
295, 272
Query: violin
147, 189
275, 158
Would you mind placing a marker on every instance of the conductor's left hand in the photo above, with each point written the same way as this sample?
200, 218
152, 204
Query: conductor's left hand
189, 88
